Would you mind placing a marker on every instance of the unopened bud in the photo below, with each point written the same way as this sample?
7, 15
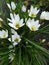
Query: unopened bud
43, 40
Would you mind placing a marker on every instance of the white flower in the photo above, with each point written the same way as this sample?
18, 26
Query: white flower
12, 6
10, 46
33, 11
15, 20
44, 15
3, 34
33, 25
24, 8
11, 57
15, 37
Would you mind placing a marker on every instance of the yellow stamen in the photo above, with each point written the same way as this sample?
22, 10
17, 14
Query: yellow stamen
13, 11
4, 35
32, 15
33, 28
16, 40
17, 25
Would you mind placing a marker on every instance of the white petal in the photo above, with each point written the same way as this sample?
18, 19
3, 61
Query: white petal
10, 24
12, 18
9, 19
31, 9
17, 18
13, 31
28, 22
13, 5
9, 6
15, 43
38, 11
9, 39
10, 47
21, 23
11, 57
24, 8
11, 15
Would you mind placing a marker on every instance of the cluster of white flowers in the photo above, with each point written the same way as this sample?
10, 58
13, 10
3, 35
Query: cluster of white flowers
16, 22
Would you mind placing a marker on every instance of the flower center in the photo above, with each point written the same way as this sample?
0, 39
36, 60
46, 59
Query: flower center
16, 40
32, 15
13, 11
17, 25
4, 35
33, 28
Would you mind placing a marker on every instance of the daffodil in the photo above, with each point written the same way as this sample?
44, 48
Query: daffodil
32, 24
44, 15
3, 34
12, 6
15, 21
24, 8
33, 11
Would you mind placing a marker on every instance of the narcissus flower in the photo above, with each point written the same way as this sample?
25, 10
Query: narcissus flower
3, 34
44, 15
32, 24
33, 11
15, 20
12, 6
24, 8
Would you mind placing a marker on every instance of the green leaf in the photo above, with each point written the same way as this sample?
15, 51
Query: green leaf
37, 46
5, 53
